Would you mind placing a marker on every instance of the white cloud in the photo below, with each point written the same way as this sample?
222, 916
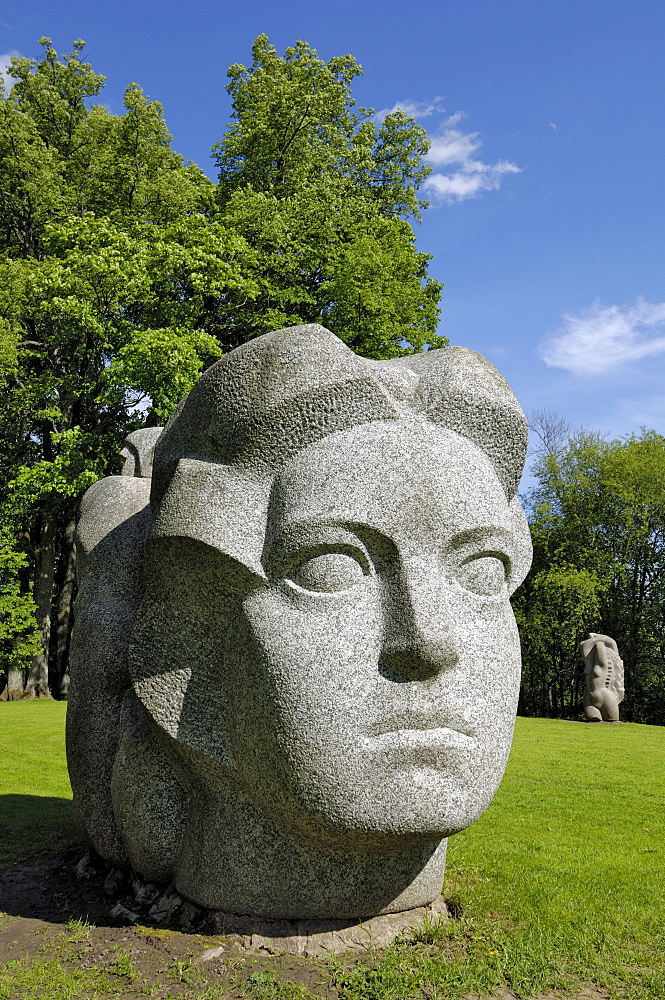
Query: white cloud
415, 109
466, 176
452, 146
602, 338
463, 175
5, 59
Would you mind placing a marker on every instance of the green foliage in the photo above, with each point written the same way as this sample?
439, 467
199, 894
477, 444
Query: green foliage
43, 484
110, 317
554, 609
598, 523
295, 126
90, 202
323, 195
113, 315
19, 636
61, 157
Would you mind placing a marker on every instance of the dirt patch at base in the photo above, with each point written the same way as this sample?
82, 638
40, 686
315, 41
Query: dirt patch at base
49, 915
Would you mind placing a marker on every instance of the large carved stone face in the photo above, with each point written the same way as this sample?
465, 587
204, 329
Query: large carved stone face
376, 676
365, 694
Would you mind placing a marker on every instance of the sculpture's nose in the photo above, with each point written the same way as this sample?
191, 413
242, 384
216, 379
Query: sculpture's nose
419, 638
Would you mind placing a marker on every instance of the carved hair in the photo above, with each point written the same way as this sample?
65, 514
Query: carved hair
270, 398
273, 396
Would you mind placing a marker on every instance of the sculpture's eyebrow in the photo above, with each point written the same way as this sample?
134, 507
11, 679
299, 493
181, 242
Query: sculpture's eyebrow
310, 526
483, 537
311, 530
293, 536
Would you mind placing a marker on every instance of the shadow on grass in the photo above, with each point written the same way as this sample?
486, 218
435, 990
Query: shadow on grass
32, 825
39, 849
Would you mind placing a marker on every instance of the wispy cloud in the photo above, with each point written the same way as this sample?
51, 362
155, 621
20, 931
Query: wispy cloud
415, 109
5, 59
465, 175
602, 338
461, 174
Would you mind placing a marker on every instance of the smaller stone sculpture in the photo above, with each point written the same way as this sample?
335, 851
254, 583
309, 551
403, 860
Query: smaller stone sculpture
603, 673
137, 453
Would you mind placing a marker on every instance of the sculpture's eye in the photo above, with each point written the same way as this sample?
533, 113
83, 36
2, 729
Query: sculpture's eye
328, 572
484, 575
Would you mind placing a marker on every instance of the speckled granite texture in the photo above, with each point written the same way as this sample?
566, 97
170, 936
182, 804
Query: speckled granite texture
296, 674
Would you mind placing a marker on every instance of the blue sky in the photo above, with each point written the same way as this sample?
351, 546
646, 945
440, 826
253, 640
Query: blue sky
547, 217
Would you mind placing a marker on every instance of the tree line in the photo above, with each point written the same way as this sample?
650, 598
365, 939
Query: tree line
597, 516
125, 271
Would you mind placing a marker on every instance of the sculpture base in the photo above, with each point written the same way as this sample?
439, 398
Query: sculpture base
139, 902
319, 937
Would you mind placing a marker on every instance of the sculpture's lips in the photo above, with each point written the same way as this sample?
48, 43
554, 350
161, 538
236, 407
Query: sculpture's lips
438, 738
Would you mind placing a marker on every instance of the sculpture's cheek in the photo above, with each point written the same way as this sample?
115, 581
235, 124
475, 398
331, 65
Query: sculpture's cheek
302, 672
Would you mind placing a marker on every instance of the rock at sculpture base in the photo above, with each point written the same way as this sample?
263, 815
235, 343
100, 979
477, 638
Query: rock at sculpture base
295, 667
603, 675
324, 937
140, 902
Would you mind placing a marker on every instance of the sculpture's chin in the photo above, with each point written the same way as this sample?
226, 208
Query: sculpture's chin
395, 812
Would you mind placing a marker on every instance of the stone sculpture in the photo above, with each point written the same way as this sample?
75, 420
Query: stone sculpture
603, 675
295, 666
137, 452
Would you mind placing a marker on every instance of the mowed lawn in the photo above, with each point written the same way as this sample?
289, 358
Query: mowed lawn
560, 884
571, 854
35, 794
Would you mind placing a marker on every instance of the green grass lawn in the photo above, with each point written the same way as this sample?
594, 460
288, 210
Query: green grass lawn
35, 794
570, 857
560, 884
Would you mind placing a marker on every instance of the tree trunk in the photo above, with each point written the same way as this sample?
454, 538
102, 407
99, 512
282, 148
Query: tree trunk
65, 600
14, 689
37, 682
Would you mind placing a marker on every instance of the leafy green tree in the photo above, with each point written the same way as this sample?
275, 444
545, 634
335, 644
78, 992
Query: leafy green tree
325, 196
112, 281
113, 319
124, 271
599, 509
554, 609
19, 636
62, 157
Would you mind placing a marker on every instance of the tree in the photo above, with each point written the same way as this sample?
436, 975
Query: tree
111, 278
124, 271
550, 431
325, 197
598, 523
19, 636
554, 609
113, 319
60, 157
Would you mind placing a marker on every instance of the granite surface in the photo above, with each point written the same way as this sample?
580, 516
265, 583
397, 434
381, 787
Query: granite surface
604, 678
300, 664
